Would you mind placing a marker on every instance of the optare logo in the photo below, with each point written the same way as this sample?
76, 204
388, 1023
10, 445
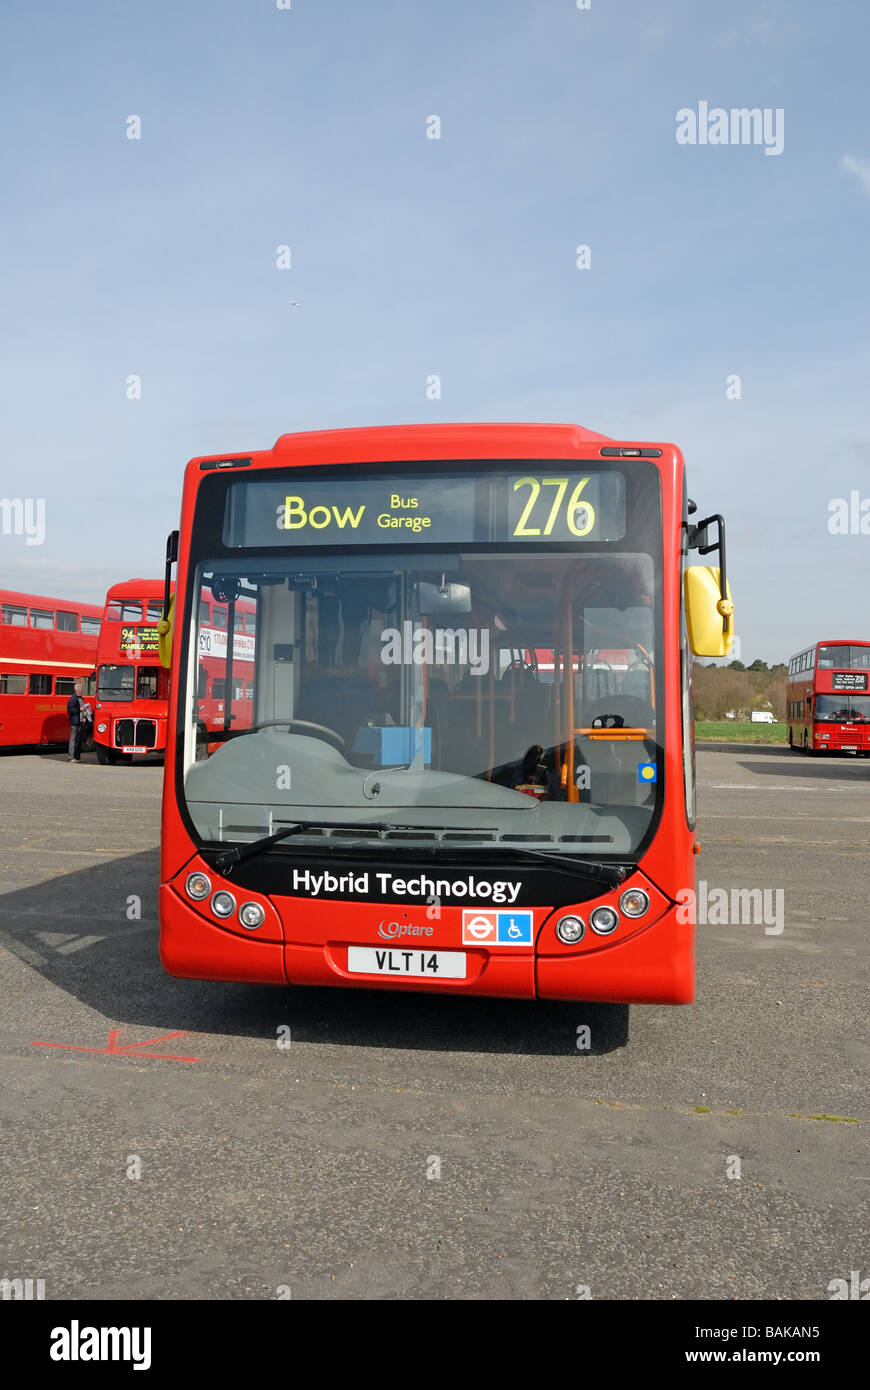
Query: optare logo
391, 931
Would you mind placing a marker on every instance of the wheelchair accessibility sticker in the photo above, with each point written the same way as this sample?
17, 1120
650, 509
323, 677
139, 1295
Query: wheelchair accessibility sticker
496, 928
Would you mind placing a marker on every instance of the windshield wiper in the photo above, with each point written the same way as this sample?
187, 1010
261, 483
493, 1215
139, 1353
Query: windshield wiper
611, 874
240, 852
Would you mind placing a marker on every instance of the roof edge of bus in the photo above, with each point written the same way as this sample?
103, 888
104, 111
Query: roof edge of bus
135, 588
25, 599
835, 642
499, 435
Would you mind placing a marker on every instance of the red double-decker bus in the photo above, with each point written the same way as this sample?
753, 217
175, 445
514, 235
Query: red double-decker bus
469, 763
46, 644
828, 698
132, 684
214, 711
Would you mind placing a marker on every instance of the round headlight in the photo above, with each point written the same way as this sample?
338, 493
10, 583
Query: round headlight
570, 929
251, 915
198, 885
604, 920
634, 902
223, 904
101, 728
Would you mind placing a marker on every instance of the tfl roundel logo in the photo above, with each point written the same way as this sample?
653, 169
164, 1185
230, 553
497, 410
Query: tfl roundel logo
496, 928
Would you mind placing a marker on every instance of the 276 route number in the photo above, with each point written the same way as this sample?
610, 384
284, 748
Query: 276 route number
579, 515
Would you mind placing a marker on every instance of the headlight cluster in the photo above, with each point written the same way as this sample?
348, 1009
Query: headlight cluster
223, 904
634, 902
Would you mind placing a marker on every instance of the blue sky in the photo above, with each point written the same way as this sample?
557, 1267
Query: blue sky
456, 257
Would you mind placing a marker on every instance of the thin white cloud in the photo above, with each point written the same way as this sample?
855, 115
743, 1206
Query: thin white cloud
860, 168
757, 29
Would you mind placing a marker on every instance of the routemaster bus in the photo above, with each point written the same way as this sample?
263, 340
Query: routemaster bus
828, 698
415, 801
132, 684
46, 644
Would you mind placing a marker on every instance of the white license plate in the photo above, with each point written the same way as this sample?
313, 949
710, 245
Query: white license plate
133, 748
848, 747
430, 965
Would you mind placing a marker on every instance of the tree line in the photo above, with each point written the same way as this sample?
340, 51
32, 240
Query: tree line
739, 689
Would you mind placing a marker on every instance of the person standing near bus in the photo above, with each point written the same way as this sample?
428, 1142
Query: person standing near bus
75, 707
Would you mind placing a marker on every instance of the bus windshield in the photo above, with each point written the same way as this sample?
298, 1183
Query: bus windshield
115, 682
472, 697
842, 708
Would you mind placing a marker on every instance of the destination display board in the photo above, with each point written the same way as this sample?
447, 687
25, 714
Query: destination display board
849, 680
139, 639
547, 503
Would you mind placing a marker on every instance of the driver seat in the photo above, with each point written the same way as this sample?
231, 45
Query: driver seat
636, 683
613, 763
339, 702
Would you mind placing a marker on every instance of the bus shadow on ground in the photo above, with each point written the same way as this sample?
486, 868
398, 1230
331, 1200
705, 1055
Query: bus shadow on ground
48, 752
75, 932
58, 753
844, 767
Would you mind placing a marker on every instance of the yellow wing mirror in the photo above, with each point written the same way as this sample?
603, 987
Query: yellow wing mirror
165, 625
709, 613
164, 634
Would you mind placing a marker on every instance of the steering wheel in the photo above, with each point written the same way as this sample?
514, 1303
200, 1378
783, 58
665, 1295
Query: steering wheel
518, 665
319, 729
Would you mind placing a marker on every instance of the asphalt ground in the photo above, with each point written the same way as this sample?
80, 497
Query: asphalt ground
309, 1171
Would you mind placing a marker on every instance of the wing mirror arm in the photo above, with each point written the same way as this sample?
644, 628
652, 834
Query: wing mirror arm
699, 540
164, 627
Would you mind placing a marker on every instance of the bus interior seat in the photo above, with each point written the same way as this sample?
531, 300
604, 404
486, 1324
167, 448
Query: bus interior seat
636, 683
613, 763
523, 714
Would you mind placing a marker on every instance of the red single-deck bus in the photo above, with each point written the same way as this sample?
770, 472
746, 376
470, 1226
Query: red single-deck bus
828, 698
372, 825
132, 684
46, 644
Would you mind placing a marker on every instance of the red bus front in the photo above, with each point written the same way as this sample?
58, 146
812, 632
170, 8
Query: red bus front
437, 780
132, 684
828, 698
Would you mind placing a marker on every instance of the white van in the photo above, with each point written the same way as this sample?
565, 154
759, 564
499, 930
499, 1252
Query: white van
761, 716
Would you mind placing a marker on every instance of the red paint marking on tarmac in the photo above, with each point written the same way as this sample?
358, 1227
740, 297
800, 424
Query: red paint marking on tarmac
128, 1050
